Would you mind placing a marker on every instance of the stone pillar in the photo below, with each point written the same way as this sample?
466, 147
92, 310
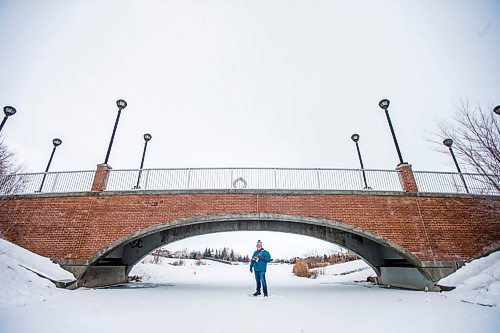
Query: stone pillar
407, 178
100, 178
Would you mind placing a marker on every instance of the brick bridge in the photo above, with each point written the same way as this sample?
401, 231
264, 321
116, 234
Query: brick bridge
410, 238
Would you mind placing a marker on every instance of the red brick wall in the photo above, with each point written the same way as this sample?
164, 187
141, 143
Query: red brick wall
76, 227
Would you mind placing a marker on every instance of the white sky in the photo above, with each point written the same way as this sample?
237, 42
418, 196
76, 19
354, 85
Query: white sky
276, 83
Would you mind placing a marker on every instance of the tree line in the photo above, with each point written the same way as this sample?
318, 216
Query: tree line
224, 254
228, 254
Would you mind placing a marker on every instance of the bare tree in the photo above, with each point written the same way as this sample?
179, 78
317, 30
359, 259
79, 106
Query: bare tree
476, 140
9, 182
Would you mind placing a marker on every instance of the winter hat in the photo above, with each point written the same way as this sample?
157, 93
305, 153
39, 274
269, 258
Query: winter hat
259, 243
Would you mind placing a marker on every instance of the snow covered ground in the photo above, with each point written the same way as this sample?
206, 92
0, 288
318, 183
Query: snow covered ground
477, 282
214, 297
19, 284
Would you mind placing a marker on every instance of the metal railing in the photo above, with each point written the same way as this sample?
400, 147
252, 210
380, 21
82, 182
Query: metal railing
253, 179
54, 182
452, 182
246, 178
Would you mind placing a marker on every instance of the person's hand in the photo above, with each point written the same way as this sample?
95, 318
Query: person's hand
251, 270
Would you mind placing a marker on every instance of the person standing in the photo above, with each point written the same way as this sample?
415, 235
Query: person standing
260, 258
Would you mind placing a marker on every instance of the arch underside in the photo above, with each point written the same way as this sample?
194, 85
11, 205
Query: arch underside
392, 264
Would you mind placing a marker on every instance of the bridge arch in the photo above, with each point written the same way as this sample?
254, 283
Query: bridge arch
392, 263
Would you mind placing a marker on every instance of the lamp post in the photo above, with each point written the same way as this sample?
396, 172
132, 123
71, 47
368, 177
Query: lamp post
384, 104
56, 142
355, 138
147, 137
448, 143
497, 109
121, 105
9, 111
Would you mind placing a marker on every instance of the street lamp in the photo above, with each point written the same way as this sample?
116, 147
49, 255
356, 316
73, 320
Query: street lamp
355, 138
9, 111
56, 142
497, 109
384, 104
121, 105
448, 143
147, 137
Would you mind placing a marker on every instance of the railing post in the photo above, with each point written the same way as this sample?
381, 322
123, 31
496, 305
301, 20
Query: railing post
54, 183
100, 178
407, 178
147, 179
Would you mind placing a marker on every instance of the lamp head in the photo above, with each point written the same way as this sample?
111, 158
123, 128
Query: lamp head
147, 137
121, 104
448, 142
497, 109
384, 104
56, 142
355, 137
9, 110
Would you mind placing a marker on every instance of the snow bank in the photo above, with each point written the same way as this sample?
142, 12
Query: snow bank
477, 282
348, 271
19, 283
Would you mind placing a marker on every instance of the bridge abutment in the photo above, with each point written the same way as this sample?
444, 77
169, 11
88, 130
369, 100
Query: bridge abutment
98, 276
91, 276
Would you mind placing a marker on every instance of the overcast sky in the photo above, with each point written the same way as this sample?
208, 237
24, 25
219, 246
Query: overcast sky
275, 83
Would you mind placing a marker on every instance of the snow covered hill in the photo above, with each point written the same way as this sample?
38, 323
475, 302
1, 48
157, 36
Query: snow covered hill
478, 282
19, 282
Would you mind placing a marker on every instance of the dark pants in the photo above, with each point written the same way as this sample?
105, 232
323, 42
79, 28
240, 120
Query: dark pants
260, 278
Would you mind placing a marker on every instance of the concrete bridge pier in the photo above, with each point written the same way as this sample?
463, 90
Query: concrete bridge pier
92, 276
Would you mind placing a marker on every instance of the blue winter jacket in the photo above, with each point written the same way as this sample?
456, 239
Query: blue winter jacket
260, 260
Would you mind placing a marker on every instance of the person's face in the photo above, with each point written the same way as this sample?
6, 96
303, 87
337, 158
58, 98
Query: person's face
259, 247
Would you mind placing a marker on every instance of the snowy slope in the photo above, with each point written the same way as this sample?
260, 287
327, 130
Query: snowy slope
19, 285
478, 282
